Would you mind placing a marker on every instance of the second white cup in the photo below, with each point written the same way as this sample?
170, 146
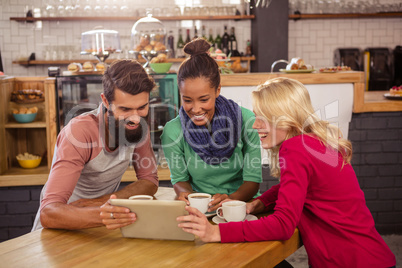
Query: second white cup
141, 197
200, 201
232, 211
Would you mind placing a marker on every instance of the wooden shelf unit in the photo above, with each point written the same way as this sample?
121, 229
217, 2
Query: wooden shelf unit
345, 16
66, 62
37, 137
162, 18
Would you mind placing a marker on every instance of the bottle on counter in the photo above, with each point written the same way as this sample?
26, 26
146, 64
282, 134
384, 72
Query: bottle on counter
225, 41
203, 34
170, 39
180, 46
233, 43
195, 32
249, 52
211, 39
218, 41
188, 40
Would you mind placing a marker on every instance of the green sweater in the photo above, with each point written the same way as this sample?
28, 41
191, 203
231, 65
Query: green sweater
224, 178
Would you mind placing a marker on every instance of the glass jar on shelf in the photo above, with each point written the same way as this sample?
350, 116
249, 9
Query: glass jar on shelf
148, 39
100, 43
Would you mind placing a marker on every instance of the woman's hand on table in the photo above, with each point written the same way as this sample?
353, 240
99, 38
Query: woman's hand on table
197, 223
255, 207
114, 217
217, 200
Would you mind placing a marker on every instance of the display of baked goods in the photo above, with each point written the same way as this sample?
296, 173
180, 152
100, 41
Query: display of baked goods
100, 42
296, 64
161, 58
148, 37
27, 96
27, 156
25, 110
237, 68
335, 69
74, 67
101, 66
396, 91
88, 66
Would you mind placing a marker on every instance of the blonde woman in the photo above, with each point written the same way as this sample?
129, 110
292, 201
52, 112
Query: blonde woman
318, 190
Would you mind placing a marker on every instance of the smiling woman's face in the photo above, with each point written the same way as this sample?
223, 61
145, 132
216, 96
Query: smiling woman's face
198, 100
270, 135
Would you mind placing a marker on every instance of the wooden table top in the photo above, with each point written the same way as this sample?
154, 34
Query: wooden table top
99, 247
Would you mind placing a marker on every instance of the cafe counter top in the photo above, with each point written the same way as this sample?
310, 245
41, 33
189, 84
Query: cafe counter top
363, 101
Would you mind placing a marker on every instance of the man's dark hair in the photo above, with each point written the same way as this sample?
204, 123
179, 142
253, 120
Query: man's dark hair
128, 76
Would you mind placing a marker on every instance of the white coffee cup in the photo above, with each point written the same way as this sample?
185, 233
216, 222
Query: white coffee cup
141, 197
232, 211
199, 201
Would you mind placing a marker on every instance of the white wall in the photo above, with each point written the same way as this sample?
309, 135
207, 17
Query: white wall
19, 39
316, 40
313, 40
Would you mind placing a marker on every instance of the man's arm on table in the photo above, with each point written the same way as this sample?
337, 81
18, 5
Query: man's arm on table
70, 216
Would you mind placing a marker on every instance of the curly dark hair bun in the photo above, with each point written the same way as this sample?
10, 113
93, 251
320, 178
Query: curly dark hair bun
197, 46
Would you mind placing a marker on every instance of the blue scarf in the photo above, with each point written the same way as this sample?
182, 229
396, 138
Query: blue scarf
216, 143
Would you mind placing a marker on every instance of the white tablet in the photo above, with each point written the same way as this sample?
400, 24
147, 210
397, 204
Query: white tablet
156, 219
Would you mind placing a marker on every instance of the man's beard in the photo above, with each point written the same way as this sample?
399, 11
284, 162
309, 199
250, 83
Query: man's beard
130, 136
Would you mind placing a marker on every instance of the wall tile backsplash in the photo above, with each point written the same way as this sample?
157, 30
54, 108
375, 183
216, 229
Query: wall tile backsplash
313, 40
316, 40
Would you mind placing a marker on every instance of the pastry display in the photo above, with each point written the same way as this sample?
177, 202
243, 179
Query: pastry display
161, 58
100, 66
148, 39
27, 95
25, 110
88, 66
396, 91
74, 67
335, 69
100, 43
27, 156
298, 64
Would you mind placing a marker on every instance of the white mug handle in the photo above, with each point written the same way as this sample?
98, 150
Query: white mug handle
217, 213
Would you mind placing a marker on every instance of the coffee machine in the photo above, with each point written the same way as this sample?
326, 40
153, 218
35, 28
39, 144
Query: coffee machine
379, 68
351, 57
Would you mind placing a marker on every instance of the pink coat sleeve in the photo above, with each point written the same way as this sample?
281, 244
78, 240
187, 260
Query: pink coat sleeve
291, 195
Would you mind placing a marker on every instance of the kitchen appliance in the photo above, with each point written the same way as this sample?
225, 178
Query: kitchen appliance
100, 43
148, 39
378, 68
351, 57
77, 94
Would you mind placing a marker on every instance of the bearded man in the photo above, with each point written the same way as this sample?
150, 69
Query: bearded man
95, 149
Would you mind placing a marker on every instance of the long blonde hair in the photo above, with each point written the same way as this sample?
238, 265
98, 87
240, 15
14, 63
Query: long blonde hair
286, 103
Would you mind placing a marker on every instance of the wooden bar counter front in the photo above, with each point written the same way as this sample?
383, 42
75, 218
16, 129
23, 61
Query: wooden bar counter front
99, 247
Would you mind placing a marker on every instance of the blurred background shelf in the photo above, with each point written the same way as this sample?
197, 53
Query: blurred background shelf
32, 19
66, 62
345, 16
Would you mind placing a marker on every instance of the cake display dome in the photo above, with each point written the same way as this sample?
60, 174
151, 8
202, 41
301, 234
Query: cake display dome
148, 38
100, 43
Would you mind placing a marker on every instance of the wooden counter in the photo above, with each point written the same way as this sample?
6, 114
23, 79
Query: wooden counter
38, 176
363, 101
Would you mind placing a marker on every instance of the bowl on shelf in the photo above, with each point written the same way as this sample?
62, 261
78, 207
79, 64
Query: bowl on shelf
25, 118
31, 163
161, 68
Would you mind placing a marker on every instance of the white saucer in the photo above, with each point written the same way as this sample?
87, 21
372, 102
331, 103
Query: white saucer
249, 217
210, 214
